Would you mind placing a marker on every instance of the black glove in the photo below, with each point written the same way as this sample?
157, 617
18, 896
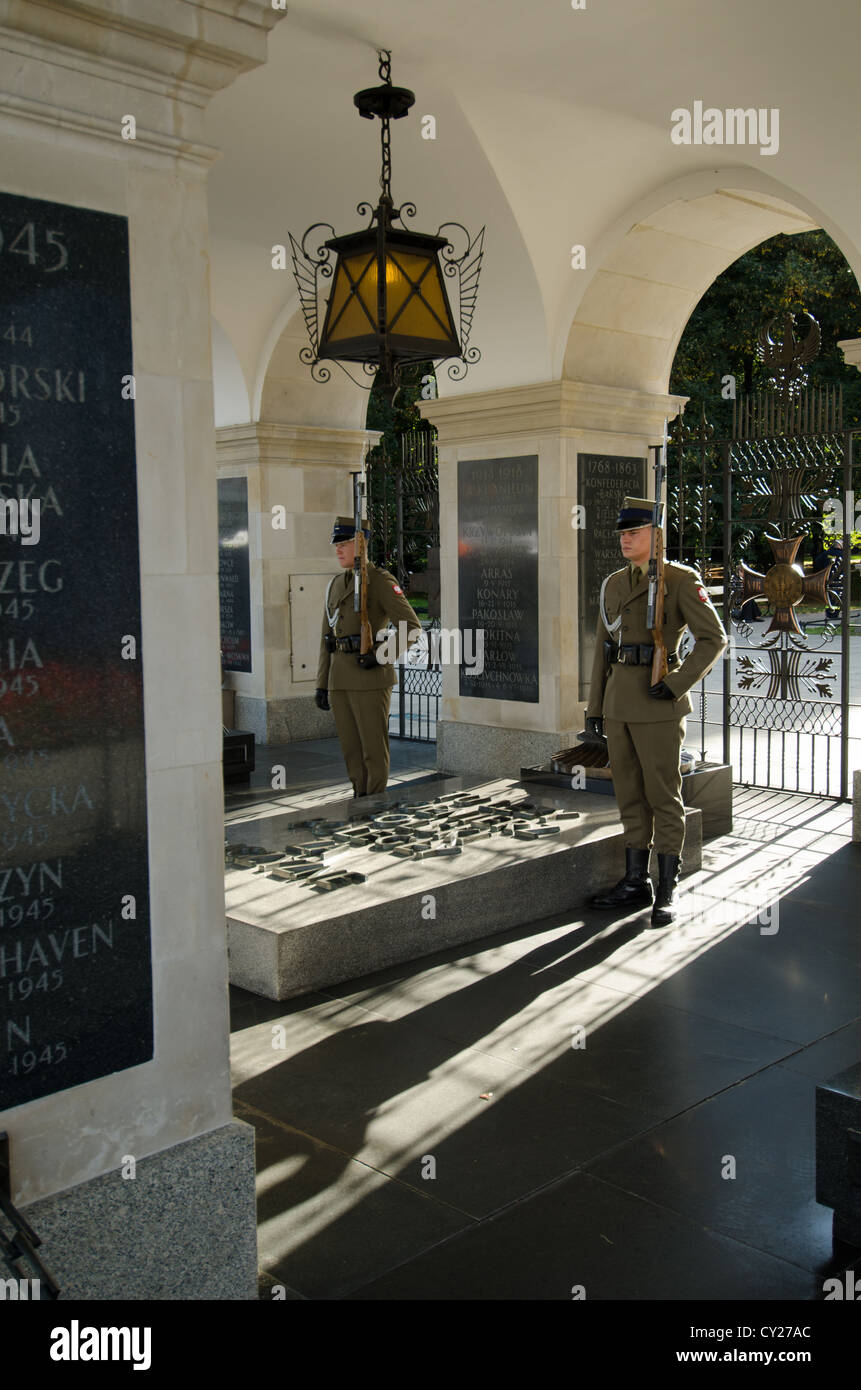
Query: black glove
321, 699
595, 727
367, 660
661, 691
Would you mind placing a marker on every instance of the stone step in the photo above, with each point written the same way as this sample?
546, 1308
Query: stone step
286, 940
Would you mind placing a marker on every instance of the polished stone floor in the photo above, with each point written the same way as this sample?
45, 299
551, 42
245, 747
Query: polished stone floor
575, 1103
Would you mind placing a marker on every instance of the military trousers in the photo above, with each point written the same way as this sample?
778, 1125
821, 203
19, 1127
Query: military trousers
362, 721
645, 760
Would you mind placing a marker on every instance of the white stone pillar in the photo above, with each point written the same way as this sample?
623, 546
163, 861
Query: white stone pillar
851, 349
305, 470
71, 76
557, 421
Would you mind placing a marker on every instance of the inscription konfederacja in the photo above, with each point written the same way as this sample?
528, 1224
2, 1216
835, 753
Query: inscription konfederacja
603, 481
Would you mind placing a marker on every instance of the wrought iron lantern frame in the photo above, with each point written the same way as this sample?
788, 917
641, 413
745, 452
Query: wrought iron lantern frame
318, 260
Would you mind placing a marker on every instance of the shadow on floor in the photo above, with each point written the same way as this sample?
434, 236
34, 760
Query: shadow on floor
558, 1105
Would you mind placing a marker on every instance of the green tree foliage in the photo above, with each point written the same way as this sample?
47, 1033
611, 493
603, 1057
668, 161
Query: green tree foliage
801, 272
394, 416
397, 417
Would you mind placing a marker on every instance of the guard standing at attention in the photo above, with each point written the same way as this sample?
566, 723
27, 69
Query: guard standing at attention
644, 724
359, 685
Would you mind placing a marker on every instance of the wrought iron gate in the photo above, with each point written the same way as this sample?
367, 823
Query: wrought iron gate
403, 514
781, 707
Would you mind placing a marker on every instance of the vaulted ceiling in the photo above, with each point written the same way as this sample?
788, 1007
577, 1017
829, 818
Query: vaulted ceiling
553, 129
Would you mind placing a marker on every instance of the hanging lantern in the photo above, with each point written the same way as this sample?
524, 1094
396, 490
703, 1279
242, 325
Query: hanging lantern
387, 306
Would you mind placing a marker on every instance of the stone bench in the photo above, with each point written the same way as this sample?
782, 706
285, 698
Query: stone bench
838, 1152
237, 754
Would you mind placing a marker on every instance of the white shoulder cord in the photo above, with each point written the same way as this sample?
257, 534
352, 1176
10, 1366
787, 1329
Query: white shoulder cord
331, 618
611, 627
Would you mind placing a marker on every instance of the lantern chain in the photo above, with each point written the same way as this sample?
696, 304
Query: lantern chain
385, 72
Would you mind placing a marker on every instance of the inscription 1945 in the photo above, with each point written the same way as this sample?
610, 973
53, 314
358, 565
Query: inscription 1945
75, 972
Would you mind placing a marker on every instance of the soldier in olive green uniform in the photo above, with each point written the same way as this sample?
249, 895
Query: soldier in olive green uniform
645, 724
360, 687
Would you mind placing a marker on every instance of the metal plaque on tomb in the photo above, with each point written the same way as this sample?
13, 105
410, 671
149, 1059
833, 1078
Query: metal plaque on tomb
234, 580
497, 508
603, 481
75, 966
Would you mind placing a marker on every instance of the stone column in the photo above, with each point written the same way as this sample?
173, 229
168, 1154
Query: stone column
557, 421
140, 1182
298, 482
851, 349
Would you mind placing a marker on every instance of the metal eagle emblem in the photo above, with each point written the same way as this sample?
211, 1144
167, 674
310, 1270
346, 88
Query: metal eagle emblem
784, 354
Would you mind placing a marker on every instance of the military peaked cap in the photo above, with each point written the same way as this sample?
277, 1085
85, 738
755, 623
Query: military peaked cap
635, 512
345, 529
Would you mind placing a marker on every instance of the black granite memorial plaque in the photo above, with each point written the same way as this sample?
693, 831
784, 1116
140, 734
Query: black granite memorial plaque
234, 579
603, 480
497, 507
75, 965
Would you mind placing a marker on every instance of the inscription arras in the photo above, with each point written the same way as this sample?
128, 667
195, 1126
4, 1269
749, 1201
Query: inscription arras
498, 574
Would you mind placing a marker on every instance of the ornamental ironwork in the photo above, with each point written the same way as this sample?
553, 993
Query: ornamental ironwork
784, 716
386, 305
785, 584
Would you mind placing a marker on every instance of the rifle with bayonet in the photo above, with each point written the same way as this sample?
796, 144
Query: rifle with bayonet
360, 569
655, 601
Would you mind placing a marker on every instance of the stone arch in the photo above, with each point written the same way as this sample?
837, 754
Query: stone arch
230, 393
286, 393
653, 266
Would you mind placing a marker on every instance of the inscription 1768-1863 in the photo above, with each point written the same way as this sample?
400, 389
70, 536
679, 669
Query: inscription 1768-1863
75, 970
603, 481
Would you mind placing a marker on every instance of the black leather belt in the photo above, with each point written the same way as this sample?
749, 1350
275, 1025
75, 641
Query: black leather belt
634, 654
349, 644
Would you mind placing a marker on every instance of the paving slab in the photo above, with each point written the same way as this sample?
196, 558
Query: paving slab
761, 1134
835, 884
589, 1235
546, 1020
327, 1222
392, 1094
822, 1059
776, 984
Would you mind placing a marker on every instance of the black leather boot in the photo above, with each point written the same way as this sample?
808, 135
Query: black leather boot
669, 868
635, 889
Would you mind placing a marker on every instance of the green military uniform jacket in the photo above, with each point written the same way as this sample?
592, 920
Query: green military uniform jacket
386, 602
621, 691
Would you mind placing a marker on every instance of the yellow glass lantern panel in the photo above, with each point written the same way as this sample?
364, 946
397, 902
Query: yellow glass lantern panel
407, 315
353, 311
